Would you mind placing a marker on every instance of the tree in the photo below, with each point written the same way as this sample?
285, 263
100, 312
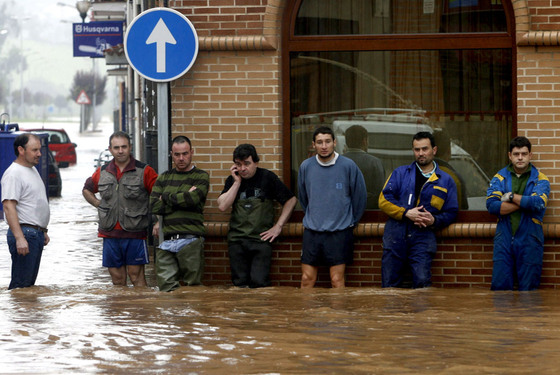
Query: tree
41, 99
10, 61
83, 80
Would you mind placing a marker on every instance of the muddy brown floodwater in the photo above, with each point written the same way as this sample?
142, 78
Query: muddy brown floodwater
74, 321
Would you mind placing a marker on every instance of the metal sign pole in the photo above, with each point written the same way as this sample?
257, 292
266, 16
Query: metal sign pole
170, 41
163, 135
162, 127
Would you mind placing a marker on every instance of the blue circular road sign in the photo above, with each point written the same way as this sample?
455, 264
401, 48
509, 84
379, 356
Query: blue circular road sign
161, 44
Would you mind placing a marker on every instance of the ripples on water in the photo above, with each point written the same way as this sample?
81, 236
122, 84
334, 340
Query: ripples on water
74, 321
278, 330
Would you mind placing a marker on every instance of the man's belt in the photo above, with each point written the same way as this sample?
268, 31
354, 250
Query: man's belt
179, 236
36, 227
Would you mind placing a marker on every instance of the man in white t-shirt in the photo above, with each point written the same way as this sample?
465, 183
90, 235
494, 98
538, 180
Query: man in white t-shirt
26, 209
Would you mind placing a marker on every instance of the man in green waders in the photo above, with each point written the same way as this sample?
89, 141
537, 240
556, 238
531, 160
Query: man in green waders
250, 191
178, 196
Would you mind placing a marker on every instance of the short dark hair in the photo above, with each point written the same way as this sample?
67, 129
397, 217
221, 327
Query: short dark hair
323, 130
424, 135
243, 151
22, 140
355, 135
119, 134
520, 142
181, 139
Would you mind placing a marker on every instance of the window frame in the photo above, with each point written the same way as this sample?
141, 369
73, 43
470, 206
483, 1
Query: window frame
385, 42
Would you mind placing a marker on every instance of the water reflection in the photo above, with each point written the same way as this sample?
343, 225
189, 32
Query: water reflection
277, 330
74, 321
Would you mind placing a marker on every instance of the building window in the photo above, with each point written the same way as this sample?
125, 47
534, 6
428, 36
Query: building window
399, 67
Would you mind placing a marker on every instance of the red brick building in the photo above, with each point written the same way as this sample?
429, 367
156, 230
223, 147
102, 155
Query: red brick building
268, 71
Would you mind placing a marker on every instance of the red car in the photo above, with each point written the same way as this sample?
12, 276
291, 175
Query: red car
62, 148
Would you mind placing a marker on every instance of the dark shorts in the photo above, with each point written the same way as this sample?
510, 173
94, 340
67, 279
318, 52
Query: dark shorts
118, 252
327, 248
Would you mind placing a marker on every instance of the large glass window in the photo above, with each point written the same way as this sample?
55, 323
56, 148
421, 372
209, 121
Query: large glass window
398, 67
362, 17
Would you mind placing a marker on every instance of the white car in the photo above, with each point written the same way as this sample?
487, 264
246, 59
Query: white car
391, 141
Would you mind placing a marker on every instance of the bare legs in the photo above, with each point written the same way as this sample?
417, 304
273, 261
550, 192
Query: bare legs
135, 273
309, 275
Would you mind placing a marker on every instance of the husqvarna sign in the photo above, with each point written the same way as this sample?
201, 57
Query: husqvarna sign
92, 38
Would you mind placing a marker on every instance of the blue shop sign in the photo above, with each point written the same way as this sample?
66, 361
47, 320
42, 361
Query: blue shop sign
92, 38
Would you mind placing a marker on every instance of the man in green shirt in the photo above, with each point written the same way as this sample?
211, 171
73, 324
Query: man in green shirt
518, 195
179, 196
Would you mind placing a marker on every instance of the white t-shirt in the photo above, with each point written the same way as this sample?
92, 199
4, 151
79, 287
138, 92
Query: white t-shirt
24, 185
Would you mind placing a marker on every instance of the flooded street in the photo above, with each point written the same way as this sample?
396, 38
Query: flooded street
75, 321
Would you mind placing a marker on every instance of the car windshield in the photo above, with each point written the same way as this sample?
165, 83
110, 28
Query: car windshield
55, 136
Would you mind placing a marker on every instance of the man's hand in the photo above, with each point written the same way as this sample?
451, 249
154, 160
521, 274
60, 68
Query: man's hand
91, 198
507, 197
234, 173
155, 229
271, 234
420, 217
22, 246
47, 240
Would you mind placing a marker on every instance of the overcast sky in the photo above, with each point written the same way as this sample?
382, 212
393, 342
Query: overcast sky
44, 19
47, 44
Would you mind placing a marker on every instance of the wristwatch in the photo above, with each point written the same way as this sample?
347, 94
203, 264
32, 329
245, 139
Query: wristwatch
511, 198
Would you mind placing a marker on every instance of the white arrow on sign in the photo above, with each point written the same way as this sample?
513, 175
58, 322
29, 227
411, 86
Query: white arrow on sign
161, 36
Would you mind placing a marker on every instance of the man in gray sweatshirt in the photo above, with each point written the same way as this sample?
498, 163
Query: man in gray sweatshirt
333, 195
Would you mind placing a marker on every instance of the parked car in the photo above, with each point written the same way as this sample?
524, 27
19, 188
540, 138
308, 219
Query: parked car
55, 182
390, 140
63, 149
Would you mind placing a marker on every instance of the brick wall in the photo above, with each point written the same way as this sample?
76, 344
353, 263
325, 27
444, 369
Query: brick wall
232, 95
459, 263
223, 17
229, 99
544, 14
538, 106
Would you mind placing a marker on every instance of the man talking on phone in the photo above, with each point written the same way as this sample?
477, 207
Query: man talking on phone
251, 191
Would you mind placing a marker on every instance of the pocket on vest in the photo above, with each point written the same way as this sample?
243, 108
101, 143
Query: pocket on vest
135, 220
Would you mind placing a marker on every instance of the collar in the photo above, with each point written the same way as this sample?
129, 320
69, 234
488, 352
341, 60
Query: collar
510, 168
113, 169
427, 174
193, 166
329, 163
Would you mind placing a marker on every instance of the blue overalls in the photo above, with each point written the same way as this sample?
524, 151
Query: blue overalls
521, 253
405, 243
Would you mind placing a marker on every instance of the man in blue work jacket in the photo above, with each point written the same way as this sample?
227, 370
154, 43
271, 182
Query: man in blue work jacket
420, 199
518, 195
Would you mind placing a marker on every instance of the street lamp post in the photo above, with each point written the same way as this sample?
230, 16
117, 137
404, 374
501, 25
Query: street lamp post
83, 7
22, 100
3, 32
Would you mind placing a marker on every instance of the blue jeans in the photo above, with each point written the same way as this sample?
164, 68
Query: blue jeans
26, 268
